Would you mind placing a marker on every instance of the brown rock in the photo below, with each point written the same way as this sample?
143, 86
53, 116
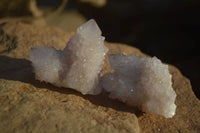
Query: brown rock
27, 105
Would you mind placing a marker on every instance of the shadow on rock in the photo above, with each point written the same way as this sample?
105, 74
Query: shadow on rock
22, 70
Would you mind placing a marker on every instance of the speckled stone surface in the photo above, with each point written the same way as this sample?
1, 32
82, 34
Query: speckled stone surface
27, 105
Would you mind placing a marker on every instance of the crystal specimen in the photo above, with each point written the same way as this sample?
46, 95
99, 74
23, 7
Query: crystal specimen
142, 82
78, 66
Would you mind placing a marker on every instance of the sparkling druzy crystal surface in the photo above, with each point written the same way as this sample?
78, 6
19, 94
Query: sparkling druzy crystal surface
78, 66
142, 82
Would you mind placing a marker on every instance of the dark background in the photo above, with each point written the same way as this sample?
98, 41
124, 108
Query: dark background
168, 29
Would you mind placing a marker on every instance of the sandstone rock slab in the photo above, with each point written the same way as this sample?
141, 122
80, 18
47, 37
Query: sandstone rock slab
27, 105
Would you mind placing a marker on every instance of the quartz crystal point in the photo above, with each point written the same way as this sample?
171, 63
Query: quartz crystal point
78, 66
142, 82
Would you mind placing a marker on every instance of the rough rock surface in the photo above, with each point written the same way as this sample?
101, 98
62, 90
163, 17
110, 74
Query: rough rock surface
27, 105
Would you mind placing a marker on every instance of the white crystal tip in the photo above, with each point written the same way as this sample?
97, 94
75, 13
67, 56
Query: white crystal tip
89, 28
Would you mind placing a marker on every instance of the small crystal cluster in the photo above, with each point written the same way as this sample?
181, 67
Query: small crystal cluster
78, 66
142, 82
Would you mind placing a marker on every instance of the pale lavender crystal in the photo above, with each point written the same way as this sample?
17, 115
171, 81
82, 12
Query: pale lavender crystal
78, 66
142, 82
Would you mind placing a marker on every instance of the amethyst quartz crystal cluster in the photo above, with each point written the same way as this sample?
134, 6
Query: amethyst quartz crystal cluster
137, 81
